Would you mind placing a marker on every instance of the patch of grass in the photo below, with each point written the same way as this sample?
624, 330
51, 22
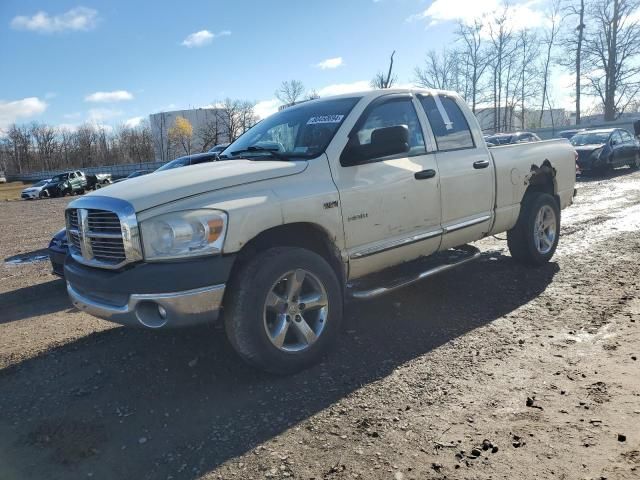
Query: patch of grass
11, 191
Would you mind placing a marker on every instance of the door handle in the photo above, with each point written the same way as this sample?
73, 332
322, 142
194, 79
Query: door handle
481, 164
424, 174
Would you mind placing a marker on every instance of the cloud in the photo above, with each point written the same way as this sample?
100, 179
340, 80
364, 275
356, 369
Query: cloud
76, 19
340, 88
520, 15
104, 97
266, 107
133, 122
11, 111
99, 115
202, 38
330, 63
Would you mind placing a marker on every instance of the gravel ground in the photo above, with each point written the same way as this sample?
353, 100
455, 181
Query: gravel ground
492, 370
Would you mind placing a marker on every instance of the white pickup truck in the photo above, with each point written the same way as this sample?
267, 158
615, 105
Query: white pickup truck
348, 196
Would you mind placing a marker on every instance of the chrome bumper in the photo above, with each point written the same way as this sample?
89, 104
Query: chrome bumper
176, 309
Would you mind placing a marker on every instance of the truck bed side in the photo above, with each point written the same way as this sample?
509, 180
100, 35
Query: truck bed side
516, 165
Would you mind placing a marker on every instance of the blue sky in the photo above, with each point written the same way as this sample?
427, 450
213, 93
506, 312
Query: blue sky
67, 62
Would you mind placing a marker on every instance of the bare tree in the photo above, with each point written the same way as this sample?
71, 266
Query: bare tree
572, 45
290, 91
528, 50
439, 70
502, 42
611, 48
549, 41
382, 81
474, 57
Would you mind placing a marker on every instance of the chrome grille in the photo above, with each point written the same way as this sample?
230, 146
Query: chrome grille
102, 221
101, 237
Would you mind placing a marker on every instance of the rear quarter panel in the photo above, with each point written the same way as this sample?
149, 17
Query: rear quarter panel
514, 166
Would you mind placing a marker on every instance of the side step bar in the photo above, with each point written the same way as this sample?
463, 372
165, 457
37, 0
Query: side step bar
406, 274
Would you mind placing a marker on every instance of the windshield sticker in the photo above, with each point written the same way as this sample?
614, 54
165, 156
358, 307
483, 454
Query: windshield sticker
325, 119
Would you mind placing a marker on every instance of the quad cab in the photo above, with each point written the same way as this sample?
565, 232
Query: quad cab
344, 197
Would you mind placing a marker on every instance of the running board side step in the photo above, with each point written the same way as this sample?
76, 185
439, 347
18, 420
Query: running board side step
408, 273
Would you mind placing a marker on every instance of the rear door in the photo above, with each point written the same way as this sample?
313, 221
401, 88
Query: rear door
466, 172
629, 147
618, 154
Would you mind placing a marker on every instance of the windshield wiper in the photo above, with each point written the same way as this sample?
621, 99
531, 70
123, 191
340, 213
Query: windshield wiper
271, 152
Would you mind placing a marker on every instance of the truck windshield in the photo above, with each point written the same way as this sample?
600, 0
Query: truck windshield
300, 131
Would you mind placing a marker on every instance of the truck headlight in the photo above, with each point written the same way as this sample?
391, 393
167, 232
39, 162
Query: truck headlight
189, 233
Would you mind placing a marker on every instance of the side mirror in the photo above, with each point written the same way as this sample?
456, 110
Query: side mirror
384, 142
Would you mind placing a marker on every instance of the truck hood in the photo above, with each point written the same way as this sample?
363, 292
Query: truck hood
158, 188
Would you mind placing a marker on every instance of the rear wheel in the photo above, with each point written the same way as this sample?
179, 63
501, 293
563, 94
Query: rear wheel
635, 165
284, 310
534, 239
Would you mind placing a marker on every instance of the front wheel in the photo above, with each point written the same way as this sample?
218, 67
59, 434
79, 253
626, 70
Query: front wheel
284, 309
534, 238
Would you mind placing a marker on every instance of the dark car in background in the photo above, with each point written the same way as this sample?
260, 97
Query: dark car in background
604, 149
219, 148
58, 250
137, 173
569, 134
510, 138
187, 160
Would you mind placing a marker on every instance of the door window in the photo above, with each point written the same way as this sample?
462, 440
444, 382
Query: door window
448, 123
626, 136
615, 138
391, 113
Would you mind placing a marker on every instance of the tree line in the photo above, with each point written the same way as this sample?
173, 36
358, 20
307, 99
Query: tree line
41, 147
38, 146
492, 63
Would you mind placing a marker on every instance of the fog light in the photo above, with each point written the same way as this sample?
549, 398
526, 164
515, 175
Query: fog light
162, 312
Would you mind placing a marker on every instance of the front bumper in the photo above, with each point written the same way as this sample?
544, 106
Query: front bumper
175, 309
153, 295
57, 257
30, 195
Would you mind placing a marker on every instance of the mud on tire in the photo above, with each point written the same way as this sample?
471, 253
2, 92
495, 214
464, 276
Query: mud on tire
526, 244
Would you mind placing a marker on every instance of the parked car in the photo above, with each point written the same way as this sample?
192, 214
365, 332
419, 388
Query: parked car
68, 183
74, 182
511, 138
33, 192
219, 148
604, 149
137, 173
58, 250
97, 180
569, 134
3, 178
188, 160
355, 195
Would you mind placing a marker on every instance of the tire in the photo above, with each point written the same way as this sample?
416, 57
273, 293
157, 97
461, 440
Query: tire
252, 325
635, 165
526, 244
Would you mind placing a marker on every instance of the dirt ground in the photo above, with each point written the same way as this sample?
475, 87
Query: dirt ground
492, 370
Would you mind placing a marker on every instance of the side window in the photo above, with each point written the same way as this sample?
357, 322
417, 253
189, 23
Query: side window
72, 175
615, 138
391, 113
626, 136
452, 132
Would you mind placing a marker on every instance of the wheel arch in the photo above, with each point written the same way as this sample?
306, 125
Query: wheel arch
542, 179
308, 235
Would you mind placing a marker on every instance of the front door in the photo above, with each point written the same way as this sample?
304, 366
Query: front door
466, 172
390, 205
